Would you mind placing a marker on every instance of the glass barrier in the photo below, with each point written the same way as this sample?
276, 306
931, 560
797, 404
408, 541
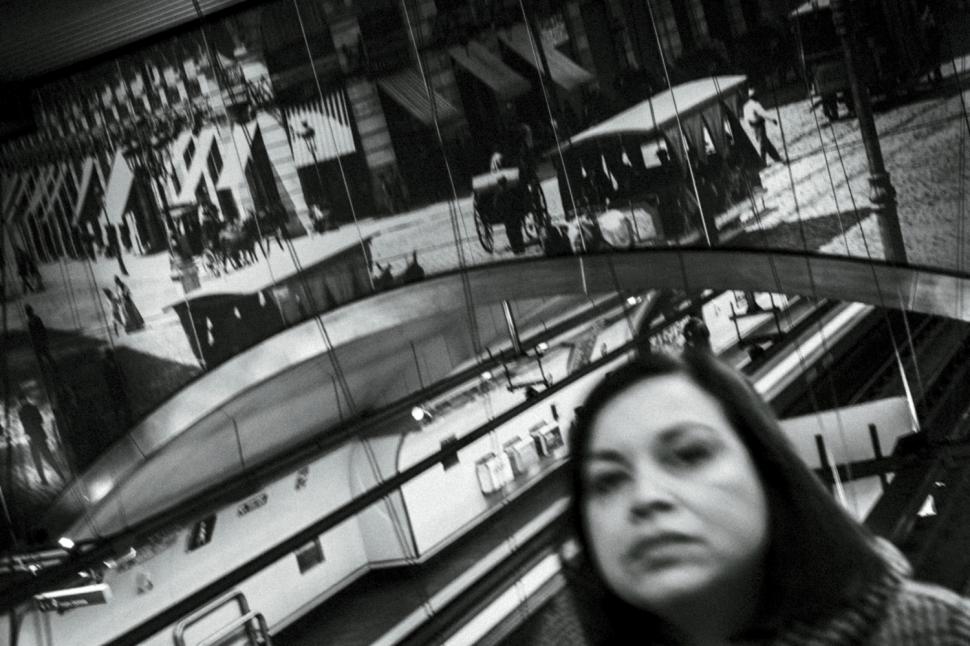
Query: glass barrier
428, 553
185, 203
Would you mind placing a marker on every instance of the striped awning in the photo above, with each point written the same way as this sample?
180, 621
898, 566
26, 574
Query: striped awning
488, 68
60, 172
565, 73
198, 165
119, 188
87, 172
236, 152
408, 90
13, 186
332, 130
41, 190
176, 152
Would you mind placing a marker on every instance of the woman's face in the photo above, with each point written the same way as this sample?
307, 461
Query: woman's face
673, 503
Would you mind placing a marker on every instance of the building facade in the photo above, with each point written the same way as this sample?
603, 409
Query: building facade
343, 106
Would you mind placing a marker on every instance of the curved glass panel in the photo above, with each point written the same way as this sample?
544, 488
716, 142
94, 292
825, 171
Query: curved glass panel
206, 232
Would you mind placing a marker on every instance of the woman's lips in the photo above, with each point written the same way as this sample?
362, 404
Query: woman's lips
654, 546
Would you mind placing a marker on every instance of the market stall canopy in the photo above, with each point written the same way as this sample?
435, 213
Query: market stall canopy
119, 188
333, 134
656, 114
810, 7
408, 90
488, 68
565, 73
87, 171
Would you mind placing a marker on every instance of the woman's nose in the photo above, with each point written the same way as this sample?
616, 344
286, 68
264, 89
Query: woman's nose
650, 496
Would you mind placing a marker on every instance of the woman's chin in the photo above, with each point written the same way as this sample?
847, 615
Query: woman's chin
669, 585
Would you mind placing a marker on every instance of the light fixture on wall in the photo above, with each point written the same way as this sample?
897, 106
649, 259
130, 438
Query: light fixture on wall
421, 414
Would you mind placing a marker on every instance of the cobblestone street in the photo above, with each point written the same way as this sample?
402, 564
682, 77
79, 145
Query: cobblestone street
923, 145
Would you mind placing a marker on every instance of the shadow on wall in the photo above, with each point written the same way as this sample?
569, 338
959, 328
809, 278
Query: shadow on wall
88, 398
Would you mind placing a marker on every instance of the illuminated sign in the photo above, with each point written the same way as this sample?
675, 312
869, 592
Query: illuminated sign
61, 600
201, 533
252, 504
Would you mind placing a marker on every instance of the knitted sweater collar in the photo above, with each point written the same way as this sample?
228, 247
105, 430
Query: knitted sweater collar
861, 616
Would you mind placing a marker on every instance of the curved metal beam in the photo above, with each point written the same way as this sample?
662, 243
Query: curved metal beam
917, 289
442, 297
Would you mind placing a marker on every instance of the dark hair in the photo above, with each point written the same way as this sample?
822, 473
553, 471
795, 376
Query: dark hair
818, 557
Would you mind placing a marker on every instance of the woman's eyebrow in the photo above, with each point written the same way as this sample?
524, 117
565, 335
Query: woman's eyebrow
605, 455
683, 428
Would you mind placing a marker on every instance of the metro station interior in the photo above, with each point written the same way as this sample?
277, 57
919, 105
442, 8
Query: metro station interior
300, 297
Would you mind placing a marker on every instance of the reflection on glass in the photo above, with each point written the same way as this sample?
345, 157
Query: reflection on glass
185, 200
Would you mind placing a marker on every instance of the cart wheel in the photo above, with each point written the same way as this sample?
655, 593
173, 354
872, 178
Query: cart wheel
484, 231
536, 220
530, 227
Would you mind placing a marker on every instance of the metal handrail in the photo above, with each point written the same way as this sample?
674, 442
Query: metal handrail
230, 628
207, 609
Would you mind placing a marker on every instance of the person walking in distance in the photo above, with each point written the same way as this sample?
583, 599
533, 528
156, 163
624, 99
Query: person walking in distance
133, 317
33, 424
23, 270
38, 337
756, 116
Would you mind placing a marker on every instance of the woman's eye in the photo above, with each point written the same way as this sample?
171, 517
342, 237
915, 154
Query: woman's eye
692, 454
603, 483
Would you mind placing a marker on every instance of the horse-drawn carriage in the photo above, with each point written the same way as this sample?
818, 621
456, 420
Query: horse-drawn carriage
899, 44
502, 197
661, 171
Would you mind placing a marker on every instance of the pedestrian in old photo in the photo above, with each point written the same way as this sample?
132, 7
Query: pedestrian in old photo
117, 310
33, 424
125, 231
23, 260
39, 339
756, 116
133, 317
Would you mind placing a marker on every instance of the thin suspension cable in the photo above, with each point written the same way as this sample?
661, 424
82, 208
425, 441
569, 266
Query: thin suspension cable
958, 75
680, 125
454, 208
333, 138
799, 354
324, 333
868, 251
554, 123
962, 169
113, 147
961, 224
5, 384
838, 210
791, 177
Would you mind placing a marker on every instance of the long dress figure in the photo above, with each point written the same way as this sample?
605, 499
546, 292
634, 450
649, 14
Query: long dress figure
133, 318
117, 315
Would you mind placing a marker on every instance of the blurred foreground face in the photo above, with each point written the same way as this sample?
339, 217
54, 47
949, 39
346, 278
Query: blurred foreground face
674, 506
